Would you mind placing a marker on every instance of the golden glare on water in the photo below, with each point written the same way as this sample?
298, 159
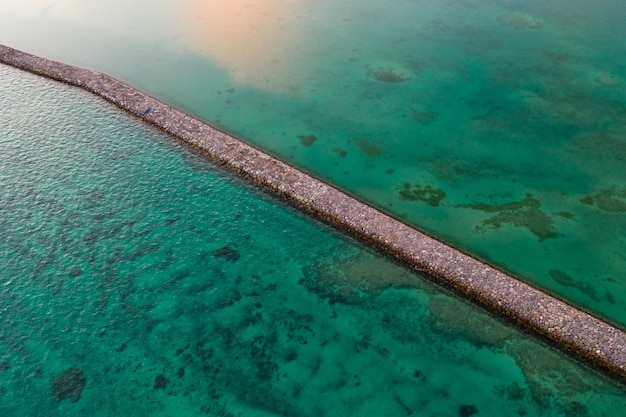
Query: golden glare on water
254, 40
259, 42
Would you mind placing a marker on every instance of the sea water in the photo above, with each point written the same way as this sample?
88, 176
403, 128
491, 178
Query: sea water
497, 126
136, 278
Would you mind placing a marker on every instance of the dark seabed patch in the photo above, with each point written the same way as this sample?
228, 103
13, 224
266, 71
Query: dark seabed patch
609, 199
424, 193
307, 140
69, 385
524, 213
160, 382
564, 279
388, 74
228, 253
368, 147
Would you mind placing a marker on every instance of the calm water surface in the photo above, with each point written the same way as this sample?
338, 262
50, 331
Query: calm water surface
138, 280
498, 126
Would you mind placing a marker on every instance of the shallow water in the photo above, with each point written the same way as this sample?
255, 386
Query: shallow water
138, 279
497, 126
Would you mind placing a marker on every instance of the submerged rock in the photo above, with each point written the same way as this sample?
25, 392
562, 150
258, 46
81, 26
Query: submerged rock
160, 382
368, 147
307, 140
388, 74
610, 199
227, 252
467, 410
346, 276
69, 385
524, 213
426, 194
564, 279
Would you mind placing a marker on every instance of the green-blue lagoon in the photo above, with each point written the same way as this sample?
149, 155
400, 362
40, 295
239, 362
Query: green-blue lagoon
496, 126
136, 278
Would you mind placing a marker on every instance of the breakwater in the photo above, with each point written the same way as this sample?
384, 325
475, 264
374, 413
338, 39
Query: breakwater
575, 331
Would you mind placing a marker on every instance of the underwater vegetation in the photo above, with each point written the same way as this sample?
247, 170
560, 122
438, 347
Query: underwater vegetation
547, 378
547, 375
307, 140
341, 152
424, 193
454, 319
564, 279
368, 147
188, 323
610, 199
195, 323
457, 171
524, 213
347, 277
519, 21
69, 385
467, 410
228, 253
388, 74
601, 146
160, 382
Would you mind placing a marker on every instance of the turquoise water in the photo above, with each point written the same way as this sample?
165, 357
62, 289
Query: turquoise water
137, 279
497, 126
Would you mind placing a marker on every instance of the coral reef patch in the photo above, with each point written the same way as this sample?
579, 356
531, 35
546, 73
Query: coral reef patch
346, 277
586, 336
524, 213
69, 385
550, 366
368, 147
307, 140
452, 318
610, 199
341, 152
228, 253
467, 410
456, 171
564, 279
426, 194
388, 74
601, 146
160, 382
